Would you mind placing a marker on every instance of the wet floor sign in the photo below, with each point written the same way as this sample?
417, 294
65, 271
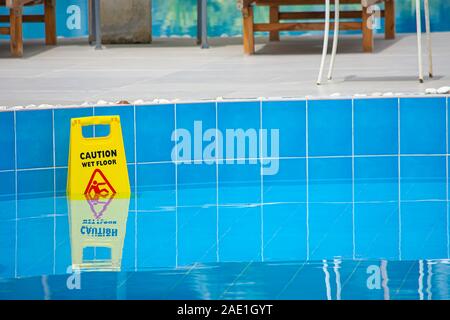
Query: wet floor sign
97, 166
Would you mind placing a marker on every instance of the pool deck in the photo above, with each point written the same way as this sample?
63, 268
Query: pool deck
73, 72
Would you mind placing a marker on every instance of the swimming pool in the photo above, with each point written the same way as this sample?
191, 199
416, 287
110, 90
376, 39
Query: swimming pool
343, 198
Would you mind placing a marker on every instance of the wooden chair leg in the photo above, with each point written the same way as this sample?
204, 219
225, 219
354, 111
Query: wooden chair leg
367, 32
16, 41
248, 33
274, 18
50, 22
389, 19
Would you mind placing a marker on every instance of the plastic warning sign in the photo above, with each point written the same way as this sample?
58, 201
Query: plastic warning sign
97, 166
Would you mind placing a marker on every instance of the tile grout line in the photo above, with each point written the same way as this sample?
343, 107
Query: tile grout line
135, 191
245, 159
399, 180
253, 205
261, 180
93, 127
307, 178
176, 184
54, 191
36, 169
353, 179
15, 194
446, 176
217, 181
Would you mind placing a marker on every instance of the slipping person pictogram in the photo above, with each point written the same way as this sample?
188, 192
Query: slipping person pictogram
98, 186
99, 192
95, 186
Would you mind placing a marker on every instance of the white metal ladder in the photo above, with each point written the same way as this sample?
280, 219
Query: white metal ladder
366, 4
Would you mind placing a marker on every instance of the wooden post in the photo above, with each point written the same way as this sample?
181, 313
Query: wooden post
199, 21
91, 24
389, 19
50, 22
367, 32
248, 34
274, 18
16, 41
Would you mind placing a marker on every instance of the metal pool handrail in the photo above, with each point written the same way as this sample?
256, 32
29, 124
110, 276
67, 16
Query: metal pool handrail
366, 4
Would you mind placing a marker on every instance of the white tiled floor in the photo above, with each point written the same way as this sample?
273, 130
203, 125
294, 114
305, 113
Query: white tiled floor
74, 72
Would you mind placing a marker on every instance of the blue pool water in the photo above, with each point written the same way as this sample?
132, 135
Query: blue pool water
248, 252
351, 203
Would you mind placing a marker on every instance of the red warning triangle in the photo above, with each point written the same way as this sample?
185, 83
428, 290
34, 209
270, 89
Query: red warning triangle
98, 186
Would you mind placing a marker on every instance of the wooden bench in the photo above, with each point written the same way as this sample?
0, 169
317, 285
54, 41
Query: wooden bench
16, 18
275, 24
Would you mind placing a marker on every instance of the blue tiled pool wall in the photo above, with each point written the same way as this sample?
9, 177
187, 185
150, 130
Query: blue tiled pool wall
338, 139
340, 161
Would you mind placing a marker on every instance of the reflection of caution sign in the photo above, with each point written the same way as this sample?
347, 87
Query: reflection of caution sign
97, 166
99, 205
97, 232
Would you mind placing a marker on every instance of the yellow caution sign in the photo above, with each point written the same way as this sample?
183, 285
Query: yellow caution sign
97, 166
98, 225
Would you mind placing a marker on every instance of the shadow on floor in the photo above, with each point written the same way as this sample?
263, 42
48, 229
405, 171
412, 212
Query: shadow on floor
313, 45
30, 49
390, 78
305, 44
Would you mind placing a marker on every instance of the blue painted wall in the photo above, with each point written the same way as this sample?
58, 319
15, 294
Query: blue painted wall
178, 18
